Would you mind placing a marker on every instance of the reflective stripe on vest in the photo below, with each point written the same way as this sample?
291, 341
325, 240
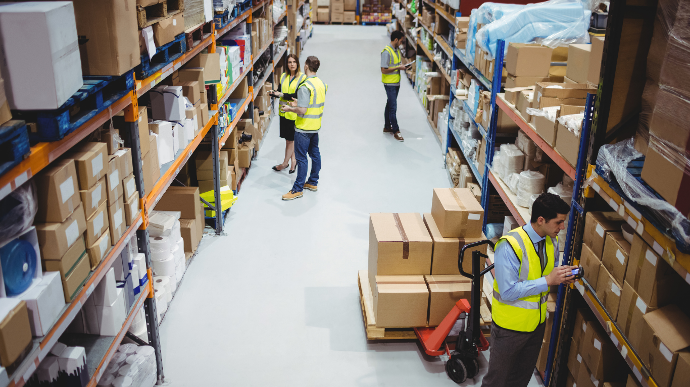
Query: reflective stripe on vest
524, 314
393, 77
288, 87
311, 119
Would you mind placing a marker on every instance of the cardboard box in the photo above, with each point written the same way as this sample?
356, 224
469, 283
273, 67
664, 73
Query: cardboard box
665, 333
337, 8
131, 208
52, 63
57, 191
586, 379
398, 244
595, 56
188, 228
400, 301
578, 62
568, 80
652, 277
129, 186
630, 314
600, 355
74, 279
244, 155
66, 262
349, 16
98, 250
616, 253
15, 331
167, 29
667, 177
446, 250
337, 17
44, 301
323, 15
597, 224
91, 162
582, 317
444, 292
524, 100
457, 213
183, 199
350, 5
97, 224
609, 292
514, 81
203, 107
116, 214
211, 65
93, 197
591, 264
682, 373
191, 91
546, 129
109, 43
574, 358
125, 159
567, 144
55, 239
529, 60
568, 94
114, 181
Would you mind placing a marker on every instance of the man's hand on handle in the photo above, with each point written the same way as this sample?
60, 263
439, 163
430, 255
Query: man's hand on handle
561, 275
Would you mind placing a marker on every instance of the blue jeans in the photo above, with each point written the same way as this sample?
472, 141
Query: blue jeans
306, 143
391, 107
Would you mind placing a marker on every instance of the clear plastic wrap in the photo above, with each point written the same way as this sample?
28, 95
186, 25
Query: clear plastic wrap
612, 163
565, 192
17, 212
485, 14
573, 122
552, 23
550, 112
529, 183
513, 160
526, 145
513, 181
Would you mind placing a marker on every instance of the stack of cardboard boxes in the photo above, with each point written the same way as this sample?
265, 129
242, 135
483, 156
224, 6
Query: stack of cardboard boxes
192, 222
413, 259
376, 11
164, 31
337, 10
638, 289
323, 12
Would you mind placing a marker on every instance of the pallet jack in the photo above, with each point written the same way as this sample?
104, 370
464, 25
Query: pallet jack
462, 363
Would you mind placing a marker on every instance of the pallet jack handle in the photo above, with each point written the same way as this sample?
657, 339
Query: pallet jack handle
462, 256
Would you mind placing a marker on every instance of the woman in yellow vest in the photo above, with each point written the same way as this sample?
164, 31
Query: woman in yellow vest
524, 269
289, 82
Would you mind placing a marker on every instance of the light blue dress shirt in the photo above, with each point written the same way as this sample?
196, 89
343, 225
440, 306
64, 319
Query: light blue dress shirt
507, 269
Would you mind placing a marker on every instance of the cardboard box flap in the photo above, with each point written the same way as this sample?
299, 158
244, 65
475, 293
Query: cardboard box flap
456, 199
448, 283
671, 326
400, 228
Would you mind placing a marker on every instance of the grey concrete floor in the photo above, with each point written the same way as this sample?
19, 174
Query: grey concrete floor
275, 301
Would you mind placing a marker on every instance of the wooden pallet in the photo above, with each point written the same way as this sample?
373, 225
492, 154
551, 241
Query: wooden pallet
164, 55
195, 35
152, 14
366, 299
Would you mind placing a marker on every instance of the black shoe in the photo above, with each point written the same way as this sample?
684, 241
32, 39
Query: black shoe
293, 171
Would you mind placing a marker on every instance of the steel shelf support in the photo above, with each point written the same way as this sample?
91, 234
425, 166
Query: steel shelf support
215, 151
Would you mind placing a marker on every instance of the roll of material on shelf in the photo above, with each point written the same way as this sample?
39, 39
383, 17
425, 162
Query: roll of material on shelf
160, 243
529, 183
177, 253
146, 351
18, 259
163, 284
106, 380
165, 267
176, 231
161, 303
179, 271
127, 348
180, 245
122, 381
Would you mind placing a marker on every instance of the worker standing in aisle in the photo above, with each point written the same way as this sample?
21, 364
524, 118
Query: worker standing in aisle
391, 60
311, 97
289, 81
524, 267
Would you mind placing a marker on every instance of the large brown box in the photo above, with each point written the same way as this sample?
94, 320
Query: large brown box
591, 264
108, 38
67, 262
211, 65
349, 17
337, 8
446, 250
15, 334
595, 56
568, 94
652, 277
682, 374
57, 191
188, 228
567, 144
323, 15
528, 60
350, 5
91, 162
546, 129
574, 358
244, 155
616, 253
597, 224
444, 292
609, 292
665, 173
665, 333
55, 239
190, 89
584, 377
398, 244
400, 301
582, 317
630, 314
113, 180
97, 224
167, 29
578, 62
457, 213
73, 266
601, 356
98, 250
92, 198
183, 199
118, 225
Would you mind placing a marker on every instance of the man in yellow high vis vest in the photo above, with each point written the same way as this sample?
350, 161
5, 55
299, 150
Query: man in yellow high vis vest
391, 60
524, 269
311, 98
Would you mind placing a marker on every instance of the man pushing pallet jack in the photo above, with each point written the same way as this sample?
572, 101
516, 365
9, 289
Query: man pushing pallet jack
524, 269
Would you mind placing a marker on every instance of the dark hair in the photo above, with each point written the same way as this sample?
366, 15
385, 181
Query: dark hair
397, 34
296, 58
548, 206
313, 63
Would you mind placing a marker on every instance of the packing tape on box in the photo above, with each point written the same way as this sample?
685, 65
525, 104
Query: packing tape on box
163, 283
403, 236
18, 259
454, 192
164, 267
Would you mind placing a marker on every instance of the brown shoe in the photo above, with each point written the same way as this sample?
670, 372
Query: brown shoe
292, 195
387, 130
310, 187
398, 136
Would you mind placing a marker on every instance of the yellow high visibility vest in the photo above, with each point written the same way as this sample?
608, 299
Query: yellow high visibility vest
311, 119
524, 314
397, 59
288, 87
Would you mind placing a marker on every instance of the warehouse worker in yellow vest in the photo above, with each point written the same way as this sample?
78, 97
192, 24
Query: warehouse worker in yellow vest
524, 270
311, 97
289, 81
391, 64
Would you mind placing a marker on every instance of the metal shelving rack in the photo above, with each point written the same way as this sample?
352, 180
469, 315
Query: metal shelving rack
42, 154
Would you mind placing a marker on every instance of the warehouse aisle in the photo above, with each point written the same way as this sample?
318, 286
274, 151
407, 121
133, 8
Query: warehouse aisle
275, 302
